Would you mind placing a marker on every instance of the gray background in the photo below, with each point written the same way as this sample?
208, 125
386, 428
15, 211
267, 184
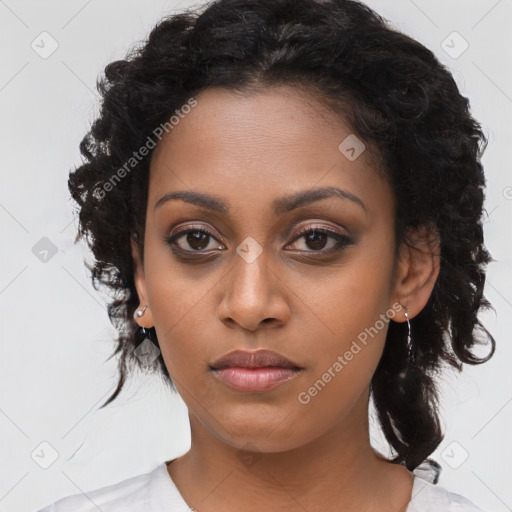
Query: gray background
55, 333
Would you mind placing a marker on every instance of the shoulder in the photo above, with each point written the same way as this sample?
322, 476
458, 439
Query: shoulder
129, 494
427, 497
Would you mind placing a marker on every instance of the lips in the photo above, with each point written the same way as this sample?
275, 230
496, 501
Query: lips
254, 372
256, 359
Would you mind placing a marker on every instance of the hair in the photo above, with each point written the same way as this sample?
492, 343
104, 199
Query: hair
395, 95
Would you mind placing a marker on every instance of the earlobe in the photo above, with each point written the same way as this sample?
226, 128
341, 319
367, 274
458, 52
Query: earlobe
417, 270
146, 318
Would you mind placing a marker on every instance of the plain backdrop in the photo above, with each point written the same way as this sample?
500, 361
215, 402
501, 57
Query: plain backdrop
55, 333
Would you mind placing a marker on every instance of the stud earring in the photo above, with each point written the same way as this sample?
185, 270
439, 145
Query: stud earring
139, 312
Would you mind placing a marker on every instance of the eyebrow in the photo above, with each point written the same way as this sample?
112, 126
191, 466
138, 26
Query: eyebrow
282, 205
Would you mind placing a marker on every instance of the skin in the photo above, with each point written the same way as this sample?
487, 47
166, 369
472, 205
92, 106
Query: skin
249, 150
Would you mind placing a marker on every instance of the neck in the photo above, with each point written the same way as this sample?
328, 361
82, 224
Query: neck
337, 470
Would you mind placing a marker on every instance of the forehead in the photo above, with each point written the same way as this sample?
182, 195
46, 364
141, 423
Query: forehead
260, 144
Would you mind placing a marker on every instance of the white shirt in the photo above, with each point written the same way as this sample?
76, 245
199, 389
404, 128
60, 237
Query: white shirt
156, 492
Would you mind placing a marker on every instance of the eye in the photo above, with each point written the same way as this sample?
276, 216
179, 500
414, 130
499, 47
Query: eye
316, 239
199, 240
194, 240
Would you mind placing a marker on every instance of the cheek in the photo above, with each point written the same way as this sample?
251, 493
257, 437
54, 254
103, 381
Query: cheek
178, 303
344, 359
349, 297
352, 314
345, 355
182, 324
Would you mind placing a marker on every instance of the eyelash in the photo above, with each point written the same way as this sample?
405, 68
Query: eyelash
342, 240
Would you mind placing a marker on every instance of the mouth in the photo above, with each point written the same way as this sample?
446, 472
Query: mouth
254, 372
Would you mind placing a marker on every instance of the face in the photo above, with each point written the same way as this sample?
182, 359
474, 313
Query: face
259, 265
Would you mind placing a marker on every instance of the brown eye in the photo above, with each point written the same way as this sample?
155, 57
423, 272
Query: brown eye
316, 240
194, 240
197, 240
321, 240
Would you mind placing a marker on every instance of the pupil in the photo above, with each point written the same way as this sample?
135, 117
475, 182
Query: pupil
197, 240
318, 240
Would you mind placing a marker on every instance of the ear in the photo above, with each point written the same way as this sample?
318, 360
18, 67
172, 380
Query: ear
146, 320
417, 270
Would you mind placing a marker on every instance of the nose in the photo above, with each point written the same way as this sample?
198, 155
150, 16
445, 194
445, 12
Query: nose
253, 295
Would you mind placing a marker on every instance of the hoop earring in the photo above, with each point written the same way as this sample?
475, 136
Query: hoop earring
409, 339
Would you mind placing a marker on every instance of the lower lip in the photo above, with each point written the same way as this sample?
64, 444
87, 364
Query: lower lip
253, 380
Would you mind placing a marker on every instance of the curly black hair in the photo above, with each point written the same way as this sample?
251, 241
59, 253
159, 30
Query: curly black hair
396, 96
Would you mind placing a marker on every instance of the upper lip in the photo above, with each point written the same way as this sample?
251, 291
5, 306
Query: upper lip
255, 359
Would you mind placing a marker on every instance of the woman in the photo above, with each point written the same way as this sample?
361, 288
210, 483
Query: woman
287, 198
